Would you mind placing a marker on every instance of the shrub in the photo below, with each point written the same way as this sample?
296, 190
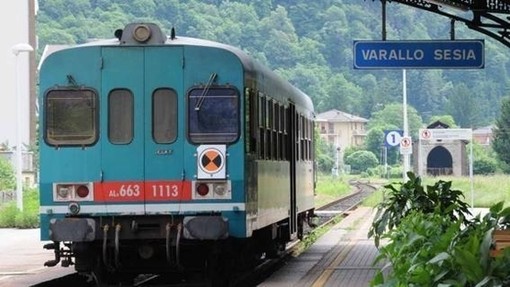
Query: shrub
485, 166
401, 199
432, 243
428, 249
361, 160
8, 215
29, 218
26, 219
417, 240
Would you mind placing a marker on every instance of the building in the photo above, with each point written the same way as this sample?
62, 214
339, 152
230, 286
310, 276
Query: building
340, 129
439, 157
483, 135
28, 171
18, 72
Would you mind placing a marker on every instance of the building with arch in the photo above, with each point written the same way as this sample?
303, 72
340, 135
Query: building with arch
437, 157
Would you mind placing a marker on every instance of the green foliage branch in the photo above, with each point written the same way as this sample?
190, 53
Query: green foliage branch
431, 242
401, 199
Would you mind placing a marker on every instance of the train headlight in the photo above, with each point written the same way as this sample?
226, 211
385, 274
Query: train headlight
142, 33
63, 192
67, 192
220, 189
212, 189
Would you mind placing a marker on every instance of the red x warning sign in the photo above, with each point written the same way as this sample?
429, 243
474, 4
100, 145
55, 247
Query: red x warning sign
211, 160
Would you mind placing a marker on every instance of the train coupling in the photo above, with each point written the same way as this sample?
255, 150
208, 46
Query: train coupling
49, 246
51, 263
53, 246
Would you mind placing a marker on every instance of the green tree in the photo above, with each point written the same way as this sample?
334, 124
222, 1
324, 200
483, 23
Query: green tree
7, 178
464, 106
374, 140
446, 119
501, 142
300, 35
392, 114
361, 161
324, 154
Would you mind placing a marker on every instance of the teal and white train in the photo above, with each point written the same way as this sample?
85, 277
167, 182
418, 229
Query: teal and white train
163, 154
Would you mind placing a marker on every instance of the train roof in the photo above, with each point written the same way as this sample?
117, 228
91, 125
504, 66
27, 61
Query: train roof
252, 68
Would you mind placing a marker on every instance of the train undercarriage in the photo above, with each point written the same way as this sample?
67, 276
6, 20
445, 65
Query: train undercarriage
126, 248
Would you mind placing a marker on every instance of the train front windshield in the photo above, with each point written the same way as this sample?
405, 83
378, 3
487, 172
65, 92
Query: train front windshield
71, 117
213, 115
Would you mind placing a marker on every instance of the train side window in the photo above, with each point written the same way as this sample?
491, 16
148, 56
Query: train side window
262, 128
269, 129
283, 126
164, 116
213, 115
251, 120
277, 131
120, 116
71, 117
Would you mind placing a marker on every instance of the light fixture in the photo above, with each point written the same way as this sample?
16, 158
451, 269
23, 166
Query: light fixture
16, 50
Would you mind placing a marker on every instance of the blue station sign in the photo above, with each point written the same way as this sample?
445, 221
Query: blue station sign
436, 54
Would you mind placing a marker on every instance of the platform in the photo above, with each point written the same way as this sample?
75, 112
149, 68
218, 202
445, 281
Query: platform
344, 256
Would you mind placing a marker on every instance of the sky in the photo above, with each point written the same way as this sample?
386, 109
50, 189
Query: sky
14, 20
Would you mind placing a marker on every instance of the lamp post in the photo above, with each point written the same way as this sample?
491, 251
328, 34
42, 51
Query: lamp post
16, 50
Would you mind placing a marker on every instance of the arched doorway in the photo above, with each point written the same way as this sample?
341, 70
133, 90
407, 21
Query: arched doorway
439, 162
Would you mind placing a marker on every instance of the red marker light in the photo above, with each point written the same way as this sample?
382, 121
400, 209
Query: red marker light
82, 191
203, 189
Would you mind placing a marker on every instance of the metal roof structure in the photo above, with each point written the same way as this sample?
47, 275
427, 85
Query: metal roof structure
489, 17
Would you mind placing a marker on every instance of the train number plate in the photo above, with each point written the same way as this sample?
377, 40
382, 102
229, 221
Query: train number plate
142, 191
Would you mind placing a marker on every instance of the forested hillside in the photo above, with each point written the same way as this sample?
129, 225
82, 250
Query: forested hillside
309, 43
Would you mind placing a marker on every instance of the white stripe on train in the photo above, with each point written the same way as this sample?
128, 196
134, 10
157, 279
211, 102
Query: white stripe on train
157, 208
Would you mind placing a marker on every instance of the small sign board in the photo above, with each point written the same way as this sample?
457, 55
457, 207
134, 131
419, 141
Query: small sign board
446, 134
406, 145
392, 137
435, 54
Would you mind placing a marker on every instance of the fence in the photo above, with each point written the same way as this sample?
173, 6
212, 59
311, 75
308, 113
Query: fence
6, 196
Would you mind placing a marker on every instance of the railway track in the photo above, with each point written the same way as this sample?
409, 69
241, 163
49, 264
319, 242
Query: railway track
326, 215
341, 207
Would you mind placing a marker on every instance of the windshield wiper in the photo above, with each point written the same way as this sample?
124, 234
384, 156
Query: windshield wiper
204, 92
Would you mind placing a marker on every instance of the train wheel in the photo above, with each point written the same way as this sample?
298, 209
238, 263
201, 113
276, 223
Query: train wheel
300, 227
276, 249
104, 275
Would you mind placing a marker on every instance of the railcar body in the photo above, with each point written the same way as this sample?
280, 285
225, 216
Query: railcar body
160, 153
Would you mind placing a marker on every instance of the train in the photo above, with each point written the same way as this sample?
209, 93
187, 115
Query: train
162, 154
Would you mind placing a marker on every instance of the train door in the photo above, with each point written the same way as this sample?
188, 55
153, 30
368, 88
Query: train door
164, 130
142, 136
293, 158
122, 101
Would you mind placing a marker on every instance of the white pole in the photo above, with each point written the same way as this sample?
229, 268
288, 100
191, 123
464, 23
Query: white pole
386, 162
16, 49
471, 172
406, 128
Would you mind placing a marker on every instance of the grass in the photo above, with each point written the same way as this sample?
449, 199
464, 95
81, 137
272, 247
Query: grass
487, 190
11, 217
329, 188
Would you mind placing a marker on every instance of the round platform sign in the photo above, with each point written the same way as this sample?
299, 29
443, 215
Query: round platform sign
393, 138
